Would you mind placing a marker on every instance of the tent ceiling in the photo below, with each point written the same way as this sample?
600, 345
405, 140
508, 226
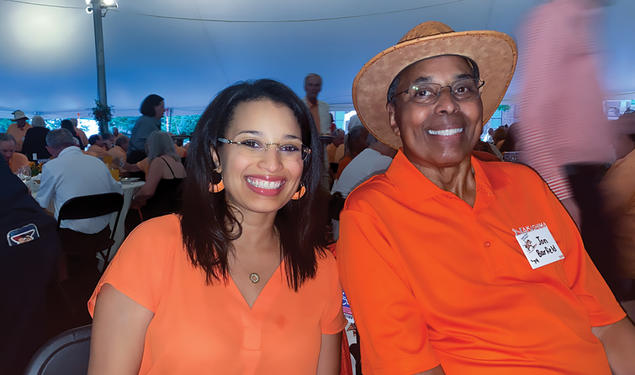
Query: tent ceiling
187, 50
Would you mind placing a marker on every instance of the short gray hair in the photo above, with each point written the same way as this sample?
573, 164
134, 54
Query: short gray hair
4, 137
59, 138
160, 143
37, 121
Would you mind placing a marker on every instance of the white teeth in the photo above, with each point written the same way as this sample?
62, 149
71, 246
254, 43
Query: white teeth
263, 184
445, 131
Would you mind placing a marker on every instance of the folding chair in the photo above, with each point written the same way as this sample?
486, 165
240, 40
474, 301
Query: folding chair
89, 206
65, 354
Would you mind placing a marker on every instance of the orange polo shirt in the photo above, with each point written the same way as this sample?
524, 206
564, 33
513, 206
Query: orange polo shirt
17, 161
201, 329
432, 280
18, 134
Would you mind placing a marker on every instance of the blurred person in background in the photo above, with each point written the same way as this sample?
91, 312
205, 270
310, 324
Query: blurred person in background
619, 191
119, 150
563, 132
70, 174
18, 128
97, 146
356, 141
335, 150
68, 125
161, 193
80, 133
152, 109
15, 160
319, 109
34, 146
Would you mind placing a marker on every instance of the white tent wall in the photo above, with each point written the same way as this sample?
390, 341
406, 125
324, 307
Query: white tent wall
188, 50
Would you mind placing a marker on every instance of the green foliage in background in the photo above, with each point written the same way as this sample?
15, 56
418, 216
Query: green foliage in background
179, 125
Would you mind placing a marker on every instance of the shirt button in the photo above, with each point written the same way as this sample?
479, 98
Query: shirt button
487, 244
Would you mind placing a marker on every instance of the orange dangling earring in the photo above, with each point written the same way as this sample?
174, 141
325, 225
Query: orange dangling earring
300, 193
217, 187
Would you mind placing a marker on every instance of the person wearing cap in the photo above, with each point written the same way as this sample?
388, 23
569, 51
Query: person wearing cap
457, 266
18, 128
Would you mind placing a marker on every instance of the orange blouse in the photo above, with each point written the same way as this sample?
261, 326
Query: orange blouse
198, 328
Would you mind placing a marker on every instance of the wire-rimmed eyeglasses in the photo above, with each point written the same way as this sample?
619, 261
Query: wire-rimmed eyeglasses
428, 92
294, 150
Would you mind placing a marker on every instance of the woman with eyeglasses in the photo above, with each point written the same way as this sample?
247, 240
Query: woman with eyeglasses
239, 282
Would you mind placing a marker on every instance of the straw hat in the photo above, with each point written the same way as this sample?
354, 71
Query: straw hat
17, 115
494, 53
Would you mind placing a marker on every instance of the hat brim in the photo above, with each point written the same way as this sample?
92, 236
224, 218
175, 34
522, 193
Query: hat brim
494, 52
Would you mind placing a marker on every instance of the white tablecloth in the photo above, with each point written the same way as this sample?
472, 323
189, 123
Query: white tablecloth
129, 189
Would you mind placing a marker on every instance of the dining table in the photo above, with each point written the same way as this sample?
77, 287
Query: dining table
129, 187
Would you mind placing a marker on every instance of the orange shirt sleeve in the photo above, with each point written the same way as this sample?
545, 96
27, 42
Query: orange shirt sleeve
17, 161
392, 327
584, 279
142, 265
332, 320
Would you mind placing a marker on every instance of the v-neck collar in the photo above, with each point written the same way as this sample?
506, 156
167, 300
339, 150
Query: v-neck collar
266, 296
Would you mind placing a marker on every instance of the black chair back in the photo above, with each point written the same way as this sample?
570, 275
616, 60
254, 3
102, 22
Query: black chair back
65, 354
89, 206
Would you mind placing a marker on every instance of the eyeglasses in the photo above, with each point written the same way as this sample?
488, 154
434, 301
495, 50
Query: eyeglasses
428, 93
289, 151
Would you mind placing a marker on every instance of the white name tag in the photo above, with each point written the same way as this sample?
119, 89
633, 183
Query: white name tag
538, 245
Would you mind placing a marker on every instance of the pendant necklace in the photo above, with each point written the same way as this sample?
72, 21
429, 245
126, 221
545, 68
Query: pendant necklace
254, 277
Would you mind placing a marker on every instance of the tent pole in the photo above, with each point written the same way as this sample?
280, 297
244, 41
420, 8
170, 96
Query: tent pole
101, 65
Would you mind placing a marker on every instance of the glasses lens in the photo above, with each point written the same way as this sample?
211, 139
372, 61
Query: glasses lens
465, 89
428, 93
424, 92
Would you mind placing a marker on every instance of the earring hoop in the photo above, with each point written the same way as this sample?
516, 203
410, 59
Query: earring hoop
300, 193
219, 186
216, 188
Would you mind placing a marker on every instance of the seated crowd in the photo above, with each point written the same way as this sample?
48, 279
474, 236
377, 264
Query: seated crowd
454, 261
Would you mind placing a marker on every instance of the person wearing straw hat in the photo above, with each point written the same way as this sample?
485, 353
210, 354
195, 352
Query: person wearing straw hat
18, 128
454, 265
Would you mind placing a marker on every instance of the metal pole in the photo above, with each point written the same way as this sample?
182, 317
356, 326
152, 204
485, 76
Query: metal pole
101, 65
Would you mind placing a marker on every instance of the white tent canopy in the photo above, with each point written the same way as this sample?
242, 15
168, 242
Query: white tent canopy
188, 50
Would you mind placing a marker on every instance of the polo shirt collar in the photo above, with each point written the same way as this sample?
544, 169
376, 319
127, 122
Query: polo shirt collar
417, 187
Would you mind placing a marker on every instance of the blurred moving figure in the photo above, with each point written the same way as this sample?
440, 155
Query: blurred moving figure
619, 189
563, 133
